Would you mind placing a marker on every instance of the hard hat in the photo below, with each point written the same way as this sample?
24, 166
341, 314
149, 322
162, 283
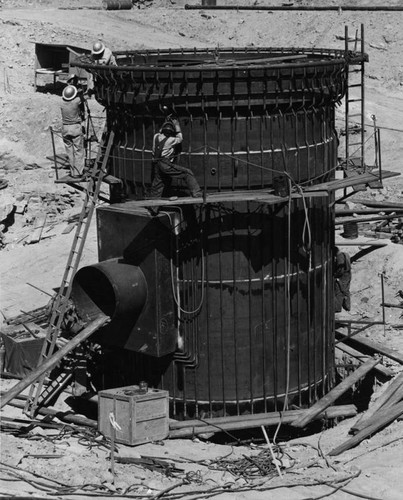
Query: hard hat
97, 48
168, 128
69, 93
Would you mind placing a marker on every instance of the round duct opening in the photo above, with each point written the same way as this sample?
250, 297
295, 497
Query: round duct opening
113, 287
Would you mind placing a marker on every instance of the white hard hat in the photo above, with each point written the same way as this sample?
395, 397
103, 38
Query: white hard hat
98, 48
69, 93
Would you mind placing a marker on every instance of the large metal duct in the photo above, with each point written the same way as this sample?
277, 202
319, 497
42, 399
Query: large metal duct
248, 279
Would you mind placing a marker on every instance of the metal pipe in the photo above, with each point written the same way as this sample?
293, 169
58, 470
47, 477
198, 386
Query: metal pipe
194, 427
369, 8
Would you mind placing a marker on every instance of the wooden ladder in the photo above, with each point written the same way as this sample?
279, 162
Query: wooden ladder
355, 100
39, 396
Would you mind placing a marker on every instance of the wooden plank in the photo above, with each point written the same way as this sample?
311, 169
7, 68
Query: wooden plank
344, 212
349, 181
379, 368
193, 427
52, 361
69, 228
360, 243
67, 179
367, 219
381, 419
225, 197
335, 393
275, 416
392, 394
36, 235
67, 416
379, 204
372, 347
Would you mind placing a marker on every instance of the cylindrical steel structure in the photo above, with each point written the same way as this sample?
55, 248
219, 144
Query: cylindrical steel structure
252, 277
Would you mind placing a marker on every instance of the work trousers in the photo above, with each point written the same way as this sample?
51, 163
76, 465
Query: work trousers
165, 171
342, 293
73, 139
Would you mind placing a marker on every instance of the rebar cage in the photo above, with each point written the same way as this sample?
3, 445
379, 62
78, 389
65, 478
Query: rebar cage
252, 285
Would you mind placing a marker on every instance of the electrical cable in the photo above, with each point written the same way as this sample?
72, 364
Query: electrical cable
174, 293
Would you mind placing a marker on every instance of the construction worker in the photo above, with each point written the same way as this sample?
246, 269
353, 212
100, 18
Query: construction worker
165, 150
102, 55
73, 114
342, 274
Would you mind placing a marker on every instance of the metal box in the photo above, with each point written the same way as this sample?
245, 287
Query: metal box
142, 416
125, 231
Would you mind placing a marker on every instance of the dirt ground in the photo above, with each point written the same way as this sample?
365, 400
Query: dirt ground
80, 465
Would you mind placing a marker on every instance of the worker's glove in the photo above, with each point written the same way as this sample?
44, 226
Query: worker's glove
176, 124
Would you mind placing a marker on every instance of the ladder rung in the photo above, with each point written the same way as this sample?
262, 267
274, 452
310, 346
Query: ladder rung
354, 115
354, 85
354, 100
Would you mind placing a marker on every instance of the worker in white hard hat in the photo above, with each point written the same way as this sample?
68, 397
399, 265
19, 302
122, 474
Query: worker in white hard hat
73, 115
102, 55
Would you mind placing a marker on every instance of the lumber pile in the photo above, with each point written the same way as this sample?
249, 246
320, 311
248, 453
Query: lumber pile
383, 219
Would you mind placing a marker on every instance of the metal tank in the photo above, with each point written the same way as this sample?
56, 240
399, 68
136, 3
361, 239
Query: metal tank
238, 312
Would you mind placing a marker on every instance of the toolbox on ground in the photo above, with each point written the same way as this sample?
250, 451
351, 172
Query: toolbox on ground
141, 414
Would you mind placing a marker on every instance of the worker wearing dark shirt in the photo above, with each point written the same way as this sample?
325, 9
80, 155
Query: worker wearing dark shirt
72, 109
165, 145
342, 274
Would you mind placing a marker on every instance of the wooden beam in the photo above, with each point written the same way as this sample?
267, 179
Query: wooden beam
378, 421
335, 393
381, 205
64, 416
338, 222
350, 181
189, 428
360, 243
381, 370
52, 361
391, 395
372, 347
